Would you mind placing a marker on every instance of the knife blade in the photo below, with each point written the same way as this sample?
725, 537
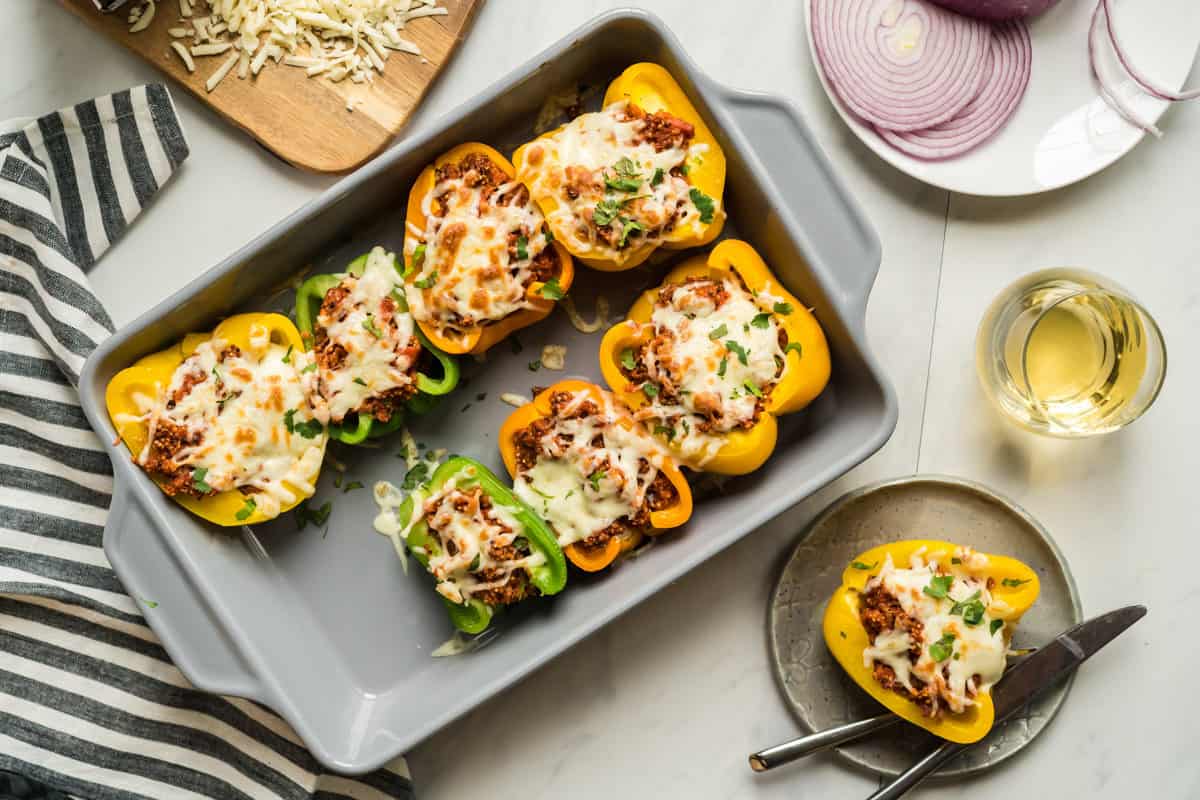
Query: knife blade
1026, 681
1066, 651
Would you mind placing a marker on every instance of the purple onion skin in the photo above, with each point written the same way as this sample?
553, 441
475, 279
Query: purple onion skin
996, 10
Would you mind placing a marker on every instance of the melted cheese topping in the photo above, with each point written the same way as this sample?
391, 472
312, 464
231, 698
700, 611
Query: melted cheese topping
473, 532
586, 151
380, 346
971, 649
714, 379
468, 276
252, 411
582, 487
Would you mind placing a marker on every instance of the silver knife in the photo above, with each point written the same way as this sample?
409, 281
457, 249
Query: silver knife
1090, 636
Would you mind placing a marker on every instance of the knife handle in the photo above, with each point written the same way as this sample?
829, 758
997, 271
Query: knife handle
917, 772
788, 752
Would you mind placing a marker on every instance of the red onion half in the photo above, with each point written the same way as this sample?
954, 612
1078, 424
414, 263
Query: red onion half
997, 10
904, 65
1010, 66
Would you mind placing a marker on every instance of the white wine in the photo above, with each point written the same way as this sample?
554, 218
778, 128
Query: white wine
1063, 352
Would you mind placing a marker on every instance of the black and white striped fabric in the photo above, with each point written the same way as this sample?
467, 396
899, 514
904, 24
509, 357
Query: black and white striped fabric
90, 704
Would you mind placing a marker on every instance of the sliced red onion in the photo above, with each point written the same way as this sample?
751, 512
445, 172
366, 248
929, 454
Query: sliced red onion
904, 65
1096, 40
1146, 83
1010, 64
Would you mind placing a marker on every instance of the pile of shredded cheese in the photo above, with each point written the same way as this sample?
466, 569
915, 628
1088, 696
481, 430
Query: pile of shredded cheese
335, 38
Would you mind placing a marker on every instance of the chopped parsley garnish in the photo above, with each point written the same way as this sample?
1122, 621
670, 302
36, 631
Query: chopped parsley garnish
626, 168
722, 367
551, 290
628, 226
418, 258
649, 389
415, 476
596, 477
317, 516
718, 332
360, 381
783, 309
1014, 582
287, 357
956, 560
535, 365
658, 177
939, 586
475, 562
370, 327
862, 566
793, 346
216, 371
309, 429
704, 204
606, 211
549, 234
522, 247
352, 485
761, 321
337, 482
942, 648
742, 353
427, 283
752, 389
684, 169
150, 603
996, 625
309, 368
198, 482
623, 184
971, 609
515, 345
665, 430
627, 359
246, 510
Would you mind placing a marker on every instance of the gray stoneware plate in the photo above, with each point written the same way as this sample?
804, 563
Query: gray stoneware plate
815, 687
322, 625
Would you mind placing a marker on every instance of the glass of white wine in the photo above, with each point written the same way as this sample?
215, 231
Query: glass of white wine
1068, 353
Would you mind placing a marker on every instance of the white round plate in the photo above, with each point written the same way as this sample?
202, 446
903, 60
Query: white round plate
1063, 130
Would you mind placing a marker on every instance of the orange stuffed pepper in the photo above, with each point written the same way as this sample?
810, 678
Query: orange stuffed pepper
594, 474
222, 421
481, 261
713, 355
924, 627
644, 172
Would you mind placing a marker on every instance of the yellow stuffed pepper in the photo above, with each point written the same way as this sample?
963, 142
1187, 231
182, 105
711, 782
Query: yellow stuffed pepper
644, 172
713, 355
481, 261
924, 627
221, 421
579, 460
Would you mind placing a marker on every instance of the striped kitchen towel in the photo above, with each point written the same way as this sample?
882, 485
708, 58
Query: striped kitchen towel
90, 704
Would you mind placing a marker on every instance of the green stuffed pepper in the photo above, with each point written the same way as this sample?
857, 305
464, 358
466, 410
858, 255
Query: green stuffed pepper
486, 548
373, 362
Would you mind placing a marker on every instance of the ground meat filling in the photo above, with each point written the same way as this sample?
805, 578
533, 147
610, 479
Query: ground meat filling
517, 587
708, 411
659, 495
332, 356
169, 439
660, 129
879, 611
476, 170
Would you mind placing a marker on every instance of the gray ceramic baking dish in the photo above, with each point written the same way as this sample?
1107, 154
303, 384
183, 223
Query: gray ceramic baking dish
323, 626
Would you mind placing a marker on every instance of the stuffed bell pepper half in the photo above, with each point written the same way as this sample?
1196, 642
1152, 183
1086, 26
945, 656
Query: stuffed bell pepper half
713, 355
371, 362
924, 627
594, 474
222, 421
482, 261
642, 173
485, 547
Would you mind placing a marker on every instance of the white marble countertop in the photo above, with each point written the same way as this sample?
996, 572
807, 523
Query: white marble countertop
669, 701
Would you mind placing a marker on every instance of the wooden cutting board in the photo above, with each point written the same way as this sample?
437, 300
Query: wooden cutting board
303, 120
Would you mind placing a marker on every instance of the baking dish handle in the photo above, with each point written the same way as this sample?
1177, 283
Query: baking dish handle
177, 613
839, 240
